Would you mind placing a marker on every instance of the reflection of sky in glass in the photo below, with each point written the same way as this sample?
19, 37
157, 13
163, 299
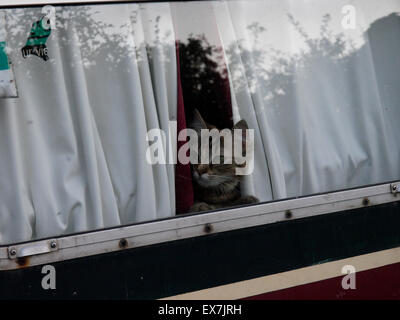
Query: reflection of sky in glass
197, 17
273, 16
112, 14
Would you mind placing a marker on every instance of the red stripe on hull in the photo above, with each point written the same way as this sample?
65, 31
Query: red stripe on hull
379, 283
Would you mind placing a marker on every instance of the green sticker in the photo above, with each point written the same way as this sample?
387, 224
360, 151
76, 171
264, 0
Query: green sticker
36, 43
3, 57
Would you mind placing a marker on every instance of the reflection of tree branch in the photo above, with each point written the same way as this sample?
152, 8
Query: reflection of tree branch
203, 76
327, 44
202, 72
279, 78
98, 41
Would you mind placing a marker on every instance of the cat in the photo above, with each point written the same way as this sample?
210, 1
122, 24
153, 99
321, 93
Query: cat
217, 185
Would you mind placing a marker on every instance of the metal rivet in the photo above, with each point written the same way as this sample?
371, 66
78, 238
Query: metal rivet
53, 244
208, 228
13, 252
123, 243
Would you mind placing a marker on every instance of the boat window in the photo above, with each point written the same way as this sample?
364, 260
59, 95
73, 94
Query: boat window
118, 113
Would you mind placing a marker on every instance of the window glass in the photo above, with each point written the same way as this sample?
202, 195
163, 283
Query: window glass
122, 113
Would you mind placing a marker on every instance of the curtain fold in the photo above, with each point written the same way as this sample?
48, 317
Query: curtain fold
259, 182
313, 97
72, 146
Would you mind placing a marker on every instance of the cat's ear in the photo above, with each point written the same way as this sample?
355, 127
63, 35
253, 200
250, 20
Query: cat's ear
198, 122
242, 124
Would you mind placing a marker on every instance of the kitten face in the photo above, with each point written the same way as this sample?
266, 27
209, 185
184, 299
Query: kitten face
214, 175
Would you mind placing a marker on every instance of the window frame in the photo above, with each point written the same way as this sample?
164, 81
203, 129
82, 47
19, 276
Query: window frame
187, 226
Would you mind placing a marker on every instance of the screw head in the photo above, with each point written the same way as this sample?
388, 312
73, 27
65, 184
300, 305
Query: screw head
13, 252
208, 228
123, 243
394, 187
53, 244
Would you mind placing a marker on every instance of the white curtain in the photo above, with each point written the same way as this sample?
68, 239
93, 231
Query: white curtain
325, 111
72, 146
